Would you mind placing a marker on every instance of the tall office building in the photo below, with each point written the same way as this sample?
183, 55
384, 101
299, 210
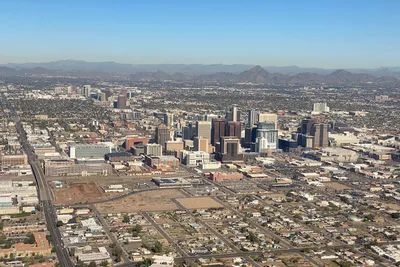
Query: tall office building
234, 128
163, 134
201, 144
229, 149
210, 117
320, 133
311, 130
188, 132
250, 135
306, 126
217, 130
233, 114
70, 90
86, 90
264, 117
267, 137
203, 129
122, 99
169, 119
320, 108
251, 117
103, 97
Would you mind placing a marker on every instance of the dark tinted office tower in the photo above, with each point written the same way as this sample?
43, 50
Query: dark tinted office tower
188, 132
320, 133
250, 135
251, 117
163, 134
229, 149
234, 128
217, 130
306, 126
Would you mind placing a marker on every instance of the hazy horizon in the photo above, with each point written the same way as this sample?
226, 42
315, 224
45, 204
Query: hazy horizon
308, 34
205, 64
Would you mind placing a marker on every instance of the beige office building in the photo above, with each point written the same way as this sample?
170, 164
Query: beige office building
264, 117
203, 129
201, 144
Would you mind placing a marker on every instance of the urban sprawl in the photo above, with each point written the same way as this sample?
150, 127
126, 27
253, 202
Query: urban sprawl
119, 172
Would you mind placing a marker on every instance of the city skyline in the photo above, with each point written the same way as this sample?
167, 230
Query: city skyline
306, 34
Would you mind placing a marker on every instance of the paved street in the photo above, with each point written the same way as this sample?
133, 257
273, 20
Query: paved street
165, 235
45, 199
125, 256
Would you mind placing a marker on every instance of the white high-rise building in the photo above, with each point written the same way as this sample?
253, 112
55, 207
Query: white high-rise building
234, 113
86, 90
267, 137
320, 108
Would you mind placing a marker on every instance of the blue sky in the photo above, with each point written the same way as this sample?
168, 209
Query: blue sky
309, 33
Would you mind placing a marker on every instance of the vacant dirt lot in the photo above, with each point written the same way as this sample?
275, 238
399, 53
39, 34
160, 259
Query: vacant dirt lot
336, 186
199, 203
79, 193
146, 201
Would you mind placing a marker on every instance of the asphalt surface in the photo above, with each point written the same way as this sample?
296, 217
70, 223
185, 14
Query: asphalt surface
45, 199
165, 235
211, 229
124, 256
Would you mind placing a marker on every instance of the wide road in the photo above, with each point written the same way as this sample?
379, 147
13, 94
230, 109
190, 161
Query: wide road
45, 198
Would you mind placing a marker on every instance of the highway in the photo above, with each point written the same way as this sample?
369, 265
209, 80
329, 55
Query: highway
45, 198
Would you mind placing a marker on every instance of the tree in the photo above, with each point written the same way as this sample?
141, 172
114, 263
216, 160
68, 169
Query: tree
395, 215
252, 237
59, 223
345, 264
92, 264
145, 263
117, 252
369, 217
138, 228
157, 247
126, 219
104, 264
31, 239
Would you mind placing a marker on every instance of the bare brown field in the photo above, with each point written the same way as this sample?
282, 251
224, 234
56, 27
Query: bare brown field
80, 193
199, 203
146, 201
336, 186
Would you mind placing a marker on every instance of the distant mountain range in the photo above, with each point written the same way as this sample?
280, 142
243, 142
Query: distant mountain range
206, 73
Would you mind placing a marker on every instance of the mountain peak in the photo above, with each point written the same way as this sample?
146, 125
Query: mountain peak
340, 72
257, 68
